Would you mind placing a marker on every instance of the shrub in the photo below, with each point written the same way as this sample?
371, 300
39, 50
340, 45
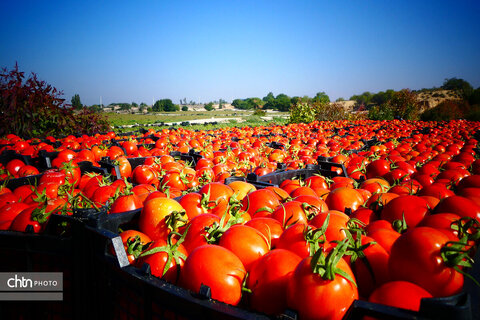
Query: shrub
209, 106
259, 112
302, 113
381, 112
330, 112
184, 108
447, 110
32, 108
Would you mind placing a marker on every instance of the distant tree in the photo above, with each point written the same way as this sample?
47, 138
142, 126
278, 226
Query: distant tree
363, 98
96, 108
282, 102
125, 106
184, 108
164, 105
134, 105
269, 97
321, 97
382, 97
459, 85
76, 103
295, 100
209, 106
340, 99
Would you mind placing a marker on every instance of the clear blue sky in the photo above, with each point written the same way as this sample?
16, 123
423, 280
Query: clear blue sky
136, 51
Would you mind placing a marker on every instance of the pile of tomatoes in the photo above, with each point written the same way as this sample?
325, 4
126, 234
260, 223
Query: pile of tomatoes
397, 222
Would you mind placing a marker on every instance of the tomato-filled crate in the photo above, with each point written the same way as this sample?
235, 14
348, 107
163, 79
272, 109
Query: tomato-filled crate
122, 291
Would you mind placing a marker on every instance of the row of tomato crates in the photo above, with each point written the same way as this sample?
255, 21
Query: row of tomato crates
98, 279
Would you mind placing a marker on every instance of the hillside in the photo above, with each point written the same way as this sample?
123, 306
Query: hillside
431, 99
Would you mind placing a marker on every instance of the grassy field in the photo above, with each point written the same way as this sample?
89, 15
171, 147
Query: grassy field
119, 120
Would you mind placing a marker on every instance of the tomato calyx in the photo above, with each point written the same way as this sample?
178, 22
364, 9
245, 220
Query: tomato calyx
326, 265
135, 247
175, 220
400, 225
458, 255
356, 250
467, 226
40, 214
171, 250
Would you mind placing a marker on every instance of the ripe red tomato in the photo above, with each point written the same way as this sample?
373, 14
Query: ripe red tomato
218, 197
342, 198
247, 243
269, 227
27, 170
199, 229
337, 224
144, 175
157, 256
293, 212
400, 294
416, 257
134, 242
13, 166
377, 168
308, 290
369, 263
125, 203
462, 206
268, 280
8, 212
412, 208
260, 203
217, 268
160, 216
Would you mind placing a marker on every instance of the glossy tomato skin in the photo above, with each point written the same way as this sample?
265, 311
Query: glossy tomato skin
342, 198
290, 212
192, 203
415, 257
197, 230
126, 203
413, 208
247, 243
371, 271
268, 280
218, 195
255, 203
8, 212
129, 235
152, 218
24, 219
462, 206
269, 227
217, 268
336, 225
315, 298
400, 294
158, 261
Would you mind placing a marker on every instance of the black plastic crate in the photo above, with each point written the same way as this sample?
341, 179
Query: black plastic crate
122, 291
256, 184
277, 177
54, 250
